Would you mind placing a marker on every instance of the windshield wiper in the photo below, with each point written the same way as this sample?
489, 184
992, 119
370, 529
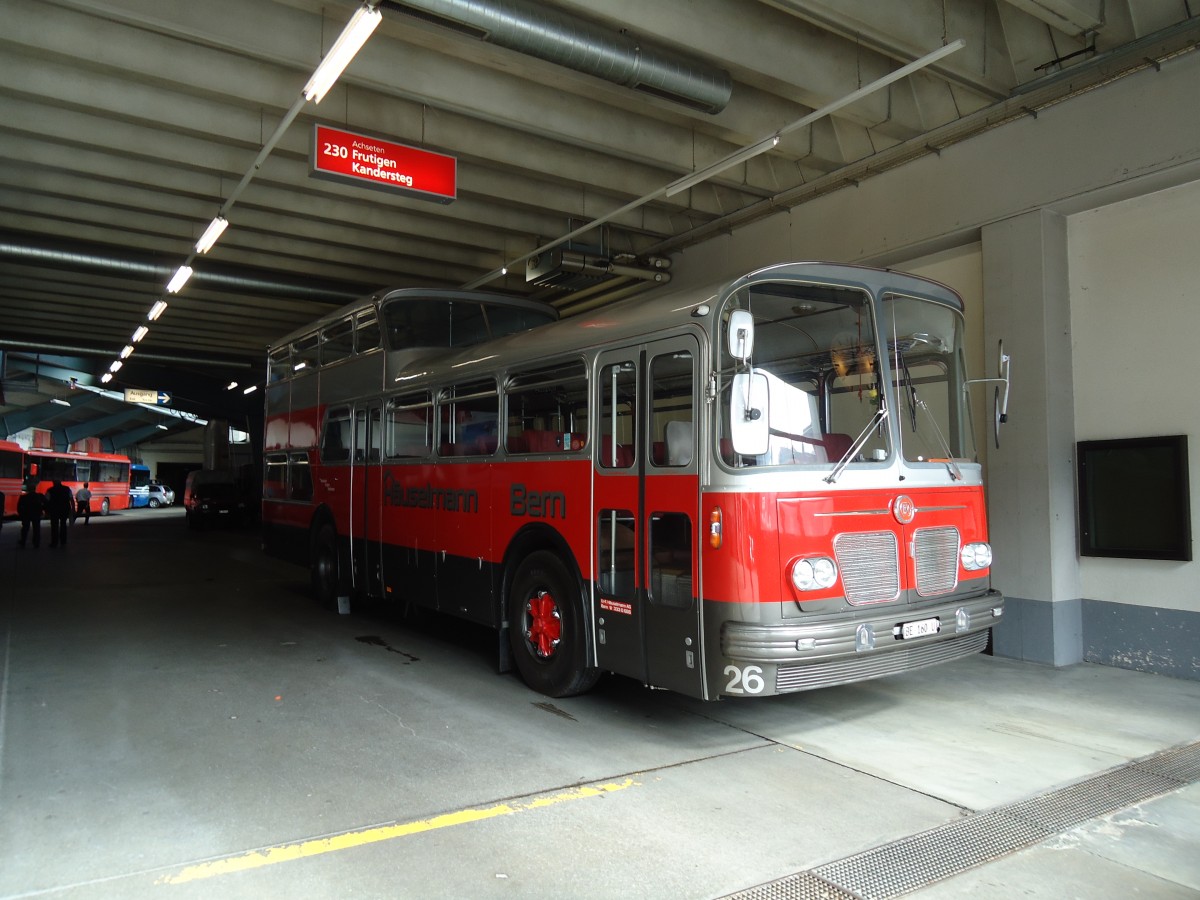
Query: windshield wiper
879, 417
955, 472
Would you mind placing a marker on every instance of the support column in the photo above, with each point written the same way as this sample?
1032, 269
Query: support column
1031, 477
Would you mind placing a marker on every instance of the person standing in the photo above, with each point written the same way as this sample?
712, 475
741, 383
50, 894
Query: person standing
83, 504
59, 504
30, 506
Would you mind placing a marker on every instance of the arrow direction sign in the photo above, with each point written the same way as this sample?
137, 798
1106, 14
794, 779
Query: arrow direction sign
154, 398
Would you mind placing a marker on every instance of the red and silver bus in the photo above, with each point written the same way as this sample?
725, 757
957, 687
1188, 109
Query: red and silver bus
762, 488
107, 475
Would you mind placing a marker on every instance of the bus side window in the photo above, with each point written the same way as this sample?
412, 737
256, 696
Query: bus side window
673, 435
337, 342
335, 437
275, 478
366, 327
469, 419
547, 409
409, 426
618, 388
300, 486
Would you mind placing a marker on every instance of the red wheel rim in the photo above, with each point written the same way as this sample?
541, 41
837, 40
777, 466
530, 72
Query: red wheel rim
545, 624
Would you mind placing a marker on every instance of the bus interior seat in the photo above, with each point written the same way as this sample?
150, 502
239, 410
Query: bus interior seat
836, 445
680, 443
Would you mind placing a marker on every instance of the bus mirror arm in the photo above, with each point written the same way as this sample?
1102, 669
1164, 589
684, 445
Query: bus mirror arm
1000, 399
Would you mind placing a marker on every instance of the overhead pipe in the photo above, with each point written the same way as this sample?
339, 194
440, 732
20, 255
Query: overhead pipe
89, 261
574, 43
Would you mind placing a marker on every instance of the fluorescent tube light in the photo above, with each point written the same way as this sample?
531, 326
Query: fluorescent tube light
141, 332
353, 36
157, 310
106, 378
59, 402
116, 366
179, 279
214, 230
232, 385
127, 351
721, 165
251, 389
161, 428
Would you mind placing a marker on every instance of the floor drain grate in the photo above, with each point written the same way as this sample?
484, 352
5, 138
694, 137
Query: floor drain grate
913, 862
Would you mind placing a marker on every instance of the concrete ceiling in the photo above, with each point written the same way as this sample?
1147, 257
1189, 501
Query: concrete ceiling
125, 125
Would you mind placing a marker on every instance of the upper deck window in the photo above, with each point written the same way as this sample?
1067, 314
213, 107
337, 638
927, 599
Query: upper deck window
337, 341
438, 322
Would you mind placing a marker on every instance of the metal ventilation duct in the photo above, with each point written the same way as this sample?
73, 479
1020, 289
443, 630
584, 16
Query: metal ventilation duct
88, 260
566, 40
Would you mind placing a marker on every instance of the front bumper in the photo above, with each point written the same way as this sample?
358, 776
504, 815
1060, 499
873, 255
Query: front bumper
822, 651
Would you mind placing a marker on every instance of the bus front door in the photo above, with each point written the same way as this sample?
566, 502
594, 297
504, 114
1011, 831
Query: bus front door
647, 617
366, 501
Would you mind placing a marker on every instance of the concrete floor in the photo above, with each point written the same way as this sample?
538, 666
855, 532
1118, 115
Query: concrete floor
178, 720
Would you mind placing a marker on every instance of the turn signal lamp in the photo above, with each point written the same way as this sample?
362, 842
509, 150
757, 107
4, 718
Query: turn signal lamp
714, 528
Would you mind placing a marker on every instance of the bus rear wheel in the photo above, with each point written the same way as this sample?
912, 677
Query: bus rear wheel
104, 506
324, 568
546, 628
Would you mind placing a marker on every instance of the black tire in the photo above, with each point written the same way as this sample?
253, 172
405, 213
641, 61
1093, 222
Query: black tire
104, 507
546, 628
154, 503
323, 568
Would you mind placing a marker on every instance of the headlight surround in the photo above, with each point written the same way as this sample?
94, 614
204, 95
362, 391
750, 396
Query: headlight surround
813, 574
975, 556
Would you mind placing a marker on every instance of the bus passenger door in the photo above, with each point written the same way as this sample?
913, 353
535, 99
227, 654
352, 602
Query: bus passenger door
366, 501
647, 620
669, 516
616, 560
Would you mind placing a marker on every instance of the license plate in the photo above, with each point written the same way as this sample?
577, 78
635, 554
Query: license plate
920, 628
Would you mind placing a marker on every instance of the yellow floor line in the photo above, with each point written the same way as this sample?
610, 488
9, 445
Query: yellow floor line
301, 849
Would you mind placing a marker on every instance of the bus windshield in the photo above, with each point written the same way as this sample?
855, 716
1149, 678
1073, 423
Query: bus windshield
928, 371
815, 345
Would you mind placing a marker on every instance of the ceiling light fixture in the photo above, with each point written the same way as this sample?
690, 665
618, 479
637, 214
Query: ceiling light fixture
179, 279
211, 233
127, 351
141, 332
116, 366
106, 377
157, 310
59, 402
353, 36
232, 385
251, 389
161, 428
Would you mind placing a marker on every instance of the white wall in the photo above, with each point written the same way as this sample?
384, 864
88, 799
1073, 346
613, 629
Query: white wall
1135, 321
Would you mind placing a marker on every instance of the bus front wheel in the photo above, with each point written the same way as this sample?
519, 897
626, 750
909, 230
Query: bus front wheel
546, 628
324, 568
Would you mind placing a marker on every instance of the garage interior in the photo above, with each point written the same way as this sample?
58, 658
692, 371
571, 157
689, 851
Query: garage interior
177, 717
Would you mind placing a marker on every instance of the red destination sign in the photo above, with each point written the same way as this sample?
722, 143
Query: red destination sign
365, 160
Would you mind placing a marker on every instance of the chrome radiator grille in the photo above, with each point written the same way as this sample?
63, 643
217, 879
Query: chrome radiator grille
870, 566
935, 555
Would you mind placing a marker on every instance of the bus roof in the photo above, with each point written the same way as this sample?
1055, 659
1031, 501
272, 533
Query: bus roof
650, 313
380, 298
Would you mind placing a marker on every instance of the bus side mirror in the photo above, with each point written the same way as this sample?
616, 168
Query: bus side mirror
741, 335
748, 413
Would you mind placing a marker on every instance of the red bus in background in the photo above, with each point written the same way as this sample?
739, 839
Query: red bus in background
761, 488
106, 474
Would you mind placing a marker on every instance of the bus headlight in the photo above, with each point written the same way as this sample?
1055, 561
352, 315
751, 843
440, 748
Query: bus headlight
976, 556
813, 574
